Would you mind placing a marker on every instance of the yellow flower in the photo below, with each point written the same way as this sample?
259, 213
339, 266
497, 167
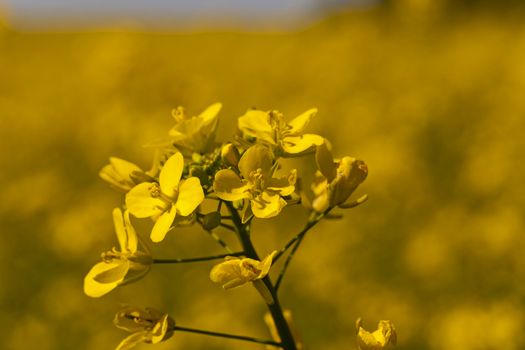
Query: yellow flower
163, 200
377, 340
196, 134
271, 129
235, 272
257, 184
148, 326
336, 180
118, 267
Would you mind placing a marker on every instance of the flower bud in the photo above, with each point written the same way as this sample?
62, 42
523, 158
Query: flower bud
230, 155
211, 220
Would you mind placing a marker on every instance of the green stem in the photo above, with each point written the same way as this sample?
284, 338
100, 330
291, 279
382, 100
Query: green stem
190, 260
243, 230
287, 262
226, 335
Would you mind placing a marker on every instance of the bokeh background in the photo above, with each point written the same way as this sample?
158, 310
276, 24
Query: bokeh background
429, 93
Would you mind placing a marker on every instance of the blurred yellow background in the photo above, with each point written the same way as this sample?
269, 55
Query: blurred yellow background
430, 95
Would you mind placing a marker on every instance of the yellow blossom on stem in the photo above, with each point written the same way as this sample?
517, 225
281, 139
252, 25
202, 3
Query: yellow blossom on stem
146, 326
164, 200
377, 340
257, 183
118, 173
118, 267
335, 181
286, 138
197, 133
235, 272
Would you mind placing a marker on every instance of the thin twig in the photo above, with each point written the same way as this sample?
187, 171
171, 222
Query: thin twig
226, 335
190, 260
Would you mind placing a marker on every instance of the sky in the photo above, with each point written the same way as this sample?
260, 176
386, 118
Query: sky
148, 10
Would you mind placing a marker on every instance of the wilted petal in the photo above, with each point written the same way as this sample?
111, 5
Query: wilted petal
298, 144
377, 340
161, 331
140, 202
229, 187
256, 157
267, 205
162, 225
171, 173
95, 289
300, 122
190, 196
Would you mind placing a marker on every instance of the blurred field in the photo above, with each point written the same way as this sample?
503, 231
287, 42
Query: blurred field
434, 104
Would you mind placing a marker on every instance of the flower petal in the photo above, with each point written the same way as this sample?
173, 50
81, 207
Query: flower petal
171, 173
132, 239
95, 289
285, 185
120, 230
298, 144
141, 204
190, 196
227, 273
267, 205
162, 225
113, 274
209, 115
256, 157
256, 124
325, 161
229, 187
132, 340
300, 122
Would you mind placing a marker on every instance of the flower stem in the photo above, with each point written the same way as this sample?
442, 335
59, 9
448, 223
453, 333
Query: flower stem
190, 260
243, 230
226, 335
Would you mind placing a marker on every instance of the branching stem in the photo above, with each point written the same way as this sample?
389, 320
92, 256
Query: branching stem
198, 259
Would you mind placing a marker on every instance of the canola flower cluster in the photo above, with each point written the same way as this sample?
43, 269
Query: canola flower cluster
243, 175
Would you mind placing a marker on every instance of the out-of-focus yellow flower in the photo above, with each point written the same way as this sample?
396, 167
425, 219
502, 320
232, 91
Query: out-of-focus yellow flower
118, 267
286, 138
148, 326
377, 340
163, 200
257, 184
335, 181
235, 272
196, 134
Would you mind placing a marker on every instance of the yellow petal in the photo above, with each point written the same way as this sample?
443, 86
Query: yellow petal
209, 115
267, 205
132, 239
256, 124
325, 161
285, 185
256, 157
120, 230
96, 289
266, 264
298, 144
229, 187
171, 173
123, 167
140, 202
190, 196
133, 340
161, 330
227, 273
300, 122
113, 274
162, 225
